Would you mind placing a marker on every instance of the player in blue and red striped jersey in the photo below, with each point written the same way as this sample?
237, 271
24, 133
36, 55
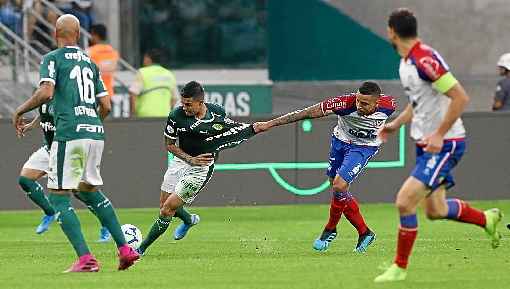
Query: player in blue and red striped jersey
354, 141
436, 102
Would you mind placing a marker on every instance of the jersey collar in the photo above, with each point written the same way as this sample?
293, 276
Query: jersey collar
72, 47
415, 46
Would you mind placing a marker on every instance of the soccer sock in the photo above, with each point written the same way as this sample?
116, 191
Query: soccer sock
35, 192
406, 235
69, 223
157, 229
335, 212
353, 214
184, 215
79, 197
104, 211
460, 211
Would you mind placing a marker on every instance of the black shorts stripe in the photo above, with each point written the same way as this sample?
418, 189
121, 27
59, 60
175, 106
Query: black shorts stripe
207, 178
61, 155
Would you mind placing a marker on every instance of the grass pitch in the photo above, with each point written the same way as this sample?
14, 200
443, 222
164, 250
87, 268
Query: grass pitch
257, 247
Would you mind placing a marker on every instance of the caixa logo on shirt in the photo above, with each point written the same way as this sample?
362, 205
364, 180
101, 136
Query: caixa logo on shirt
90, 128
363, 133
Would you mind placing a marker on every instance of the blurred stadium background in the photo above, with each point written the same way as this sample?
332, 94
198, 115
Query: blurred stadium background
260, 58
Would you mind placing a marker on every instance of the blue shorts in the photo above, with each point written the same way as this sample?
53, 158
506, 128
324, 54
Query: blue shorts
348, 160
434, 170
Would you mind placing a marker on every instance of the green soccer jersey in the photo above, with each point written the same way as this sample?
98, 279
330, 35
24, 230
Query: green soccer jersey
213, 133
46, 112
77, 84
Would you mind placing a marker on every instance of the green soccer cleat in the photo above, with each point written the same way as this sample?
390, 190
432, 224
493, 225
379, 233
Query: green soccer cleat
493, 217
392, 274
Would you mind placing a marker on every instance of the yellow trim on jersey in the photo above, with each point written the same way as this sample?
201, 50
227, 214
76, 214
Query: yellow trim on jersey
445, 82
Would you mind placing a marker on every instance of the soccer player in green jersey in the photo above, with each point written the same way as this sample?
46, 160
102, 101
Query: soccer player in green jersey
72, 80
202, 129
37, 166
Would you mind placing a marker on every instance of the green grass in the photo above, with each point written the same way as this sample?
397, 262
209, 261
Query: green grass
257, 247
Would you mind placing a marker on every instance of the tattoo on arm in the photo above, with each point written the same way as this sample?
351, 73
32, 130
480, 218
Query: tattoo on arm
314, 111
178, 152
39, 97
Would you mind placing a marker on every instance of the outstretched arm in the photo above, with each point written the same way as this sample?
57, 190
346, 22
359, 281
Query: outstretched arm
314, 111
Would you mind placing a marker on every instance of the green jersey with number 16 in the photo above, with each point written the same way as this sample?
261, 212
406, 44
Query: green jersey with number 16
77, 84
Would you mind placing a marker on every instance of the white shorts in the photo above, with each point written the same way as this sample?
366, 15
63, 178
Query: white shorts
39, 160
186, 180
73, 162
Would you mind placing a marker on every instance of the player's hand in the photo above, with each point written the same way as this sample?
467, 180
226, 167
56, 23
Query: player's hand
387, 129
28, 126
202, 160
261, 126
19, 122
433, 143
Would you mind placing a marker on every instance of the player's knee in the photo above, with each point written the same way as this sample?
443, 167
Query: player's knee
339, 185
403, 206
166, 211
433, 214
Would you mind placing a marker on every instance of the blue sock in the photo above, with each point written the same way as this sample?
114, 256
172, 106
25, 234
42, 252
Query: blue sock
409, 221
453, 209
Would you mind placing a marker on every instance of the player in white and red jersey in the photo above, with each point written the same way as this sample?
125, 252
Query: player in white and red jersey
436, 102
354, 141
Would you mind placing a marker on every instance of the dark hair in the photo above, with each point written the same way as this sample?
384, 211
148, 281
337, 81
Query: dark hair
370, 88
194, 90
155, 55
404, 23
99, 30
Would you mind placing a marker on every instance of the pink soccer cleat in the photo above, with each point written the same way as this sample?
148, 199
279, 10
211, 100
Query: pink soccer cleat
127, 257
86, 263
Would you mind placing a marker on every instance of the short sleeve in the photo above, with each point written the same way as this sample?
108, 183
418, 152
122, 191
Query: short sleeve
432, 68
48, 69
501, 92
171, 126
386, 104
137, 86
340, 105
100, 86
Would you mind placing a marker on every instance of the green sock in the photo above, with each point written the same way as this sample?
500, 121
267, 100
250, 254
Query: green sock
36, 193
157, 229
105, 213
69, 222
184, 215
78, 196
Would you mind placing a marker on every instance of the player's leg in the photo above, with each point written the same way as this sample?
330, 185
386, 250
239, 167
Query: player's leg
185, 182
96, 200
104, 234
329, 233
167, 211
188, 220
408, 198
355, 160
61, 180
438, 207
34, 169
